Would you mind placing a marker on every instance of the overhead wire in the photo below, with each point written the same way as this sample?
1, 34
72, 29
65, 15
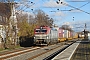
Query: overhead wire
26, 6
74, 7
81, 6
53, 10
49, 7
77, 1
84, 5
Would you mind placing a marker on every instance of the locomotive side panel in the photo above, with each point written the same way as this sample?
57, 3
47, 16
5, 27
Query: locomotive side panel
53, 36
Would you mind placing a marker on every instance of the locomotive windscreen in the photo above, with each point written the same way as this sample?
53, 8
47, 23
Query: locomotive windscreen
40, 31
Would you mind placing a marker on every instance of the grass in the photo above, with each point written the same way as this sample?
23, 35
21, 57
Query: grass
1, 49
10, 48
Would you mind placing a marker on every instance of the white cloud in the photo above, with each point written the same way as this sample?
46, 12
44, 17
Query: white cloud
58, 14
69, 24
66, 23
80, 26
80, 0
23, 12
52, 3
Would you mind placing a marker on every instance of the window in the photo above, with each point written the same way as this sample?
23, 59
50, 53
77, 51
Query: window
41, 31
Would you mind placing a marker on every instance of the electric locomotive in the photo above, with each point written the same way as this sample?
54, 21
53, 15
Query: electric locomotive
45, 35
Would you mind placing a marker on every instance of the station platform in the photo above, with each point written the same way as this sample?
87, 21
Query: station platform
83, 51
68, 52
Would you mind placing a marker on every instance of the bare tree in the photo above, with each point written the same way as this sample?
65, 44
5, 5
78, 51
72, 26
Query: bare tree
5, 13
43, 19
66, 27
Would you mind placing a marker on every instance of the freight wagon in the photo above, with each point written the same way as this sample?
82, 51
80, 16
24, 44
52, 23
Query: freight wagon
61, 35
75, 35
65, 35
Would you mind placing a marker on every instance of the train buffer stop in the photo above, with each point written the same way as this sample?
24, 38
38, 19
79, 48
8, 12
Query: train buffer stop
80, 50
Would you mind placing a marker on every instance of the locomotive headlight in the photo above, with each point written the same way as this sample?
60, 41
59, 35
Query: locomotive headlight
34, 37
47, 37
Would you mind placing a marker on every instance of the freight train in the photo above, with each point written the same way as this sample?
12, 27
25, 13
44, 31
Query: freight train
44, 35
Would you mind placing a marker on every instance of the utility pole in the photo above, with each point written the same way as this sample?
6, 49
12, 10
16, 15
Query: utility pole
85, 33
13, 23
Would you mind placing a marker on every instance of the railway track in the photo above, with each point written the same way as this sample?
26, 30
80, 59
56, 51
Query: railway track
9, 54
51, 53
35, 53
57, 52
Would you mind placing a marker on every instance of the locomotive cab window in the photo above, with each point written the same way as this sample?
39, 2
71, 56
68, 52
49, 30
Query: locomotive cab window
37, 30
41, 30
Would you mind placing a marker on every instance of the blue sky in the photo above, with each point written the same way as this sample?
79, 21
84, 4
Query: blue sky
75, 18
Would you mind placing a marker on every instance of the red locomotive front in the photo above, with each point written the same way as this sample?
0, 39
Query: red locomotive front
41, 35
